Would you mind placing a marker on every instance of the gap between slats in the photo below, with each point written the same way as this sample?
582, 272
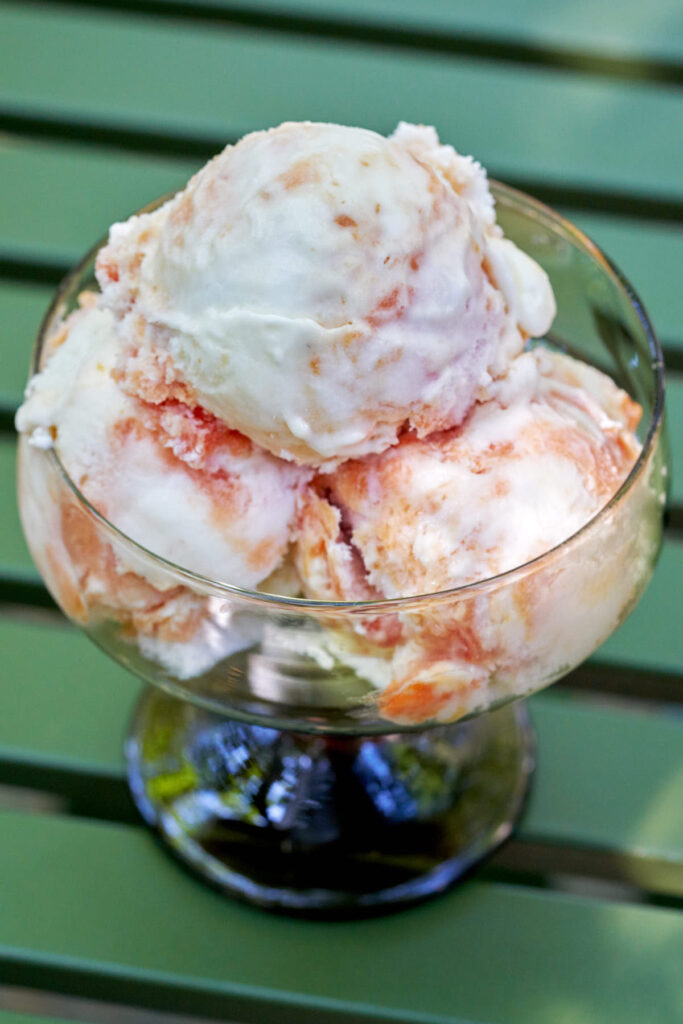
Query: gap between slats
36, 126
325, 23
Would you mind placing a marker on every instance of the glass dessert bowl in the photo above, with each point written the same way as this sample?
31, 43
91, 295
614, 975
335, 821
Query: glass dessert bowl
336, 757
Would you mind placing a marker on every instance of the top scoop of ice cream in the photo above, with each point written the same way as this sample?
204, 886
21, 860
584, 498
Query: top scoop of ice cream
319, 287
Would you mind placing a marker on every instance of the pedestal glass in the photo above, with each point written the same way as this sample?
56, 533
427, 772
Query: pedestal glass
263, 750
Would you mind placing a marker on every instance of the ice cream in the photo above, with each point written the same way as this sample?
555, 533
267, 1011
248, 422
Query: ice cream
526, 469
168, 475
317, 287
310, 373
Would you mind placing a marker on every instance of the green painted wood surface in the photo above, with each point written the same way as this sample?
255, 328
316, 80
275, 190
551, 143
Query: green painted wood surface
651, 637
486, 952
15, 560
190, 80
59, 200
70, 710
674, 413
64, 703
650, 255
21, 309
609, 780
655, 32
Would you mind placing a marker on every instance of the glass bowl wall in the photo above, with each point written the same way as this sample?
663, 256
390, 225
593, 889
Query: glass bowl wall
316, 666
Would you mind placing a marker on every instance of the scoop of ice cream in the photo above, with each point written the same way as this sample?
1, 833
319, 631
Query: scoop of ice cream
318, 287
523, 472
169, 476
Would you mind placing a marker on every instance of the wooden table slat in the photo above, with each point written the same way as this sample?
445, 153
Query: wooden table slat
674, 419
509, 117
608, 779
22, 306
141, 927
633, 35
59, 200
15, 559
651, 636
649, 254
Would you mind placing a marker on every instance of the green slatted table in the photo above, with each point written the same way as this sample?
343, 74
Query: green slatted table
579, 920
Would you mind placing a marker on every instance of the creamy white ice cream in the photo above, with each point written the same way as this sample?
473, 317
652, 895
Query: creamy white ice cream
170, 477
318, 287
525, 470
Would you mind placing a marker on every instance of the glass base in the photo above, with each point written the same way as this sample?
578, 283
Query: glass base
322, 825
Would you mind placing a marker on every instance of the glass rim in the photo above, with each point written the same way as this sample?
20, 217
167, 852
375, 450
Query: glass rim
197, 582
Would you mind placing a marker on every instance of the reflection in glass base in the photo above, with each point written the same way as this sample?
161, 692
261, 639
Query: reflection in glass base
325, 825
